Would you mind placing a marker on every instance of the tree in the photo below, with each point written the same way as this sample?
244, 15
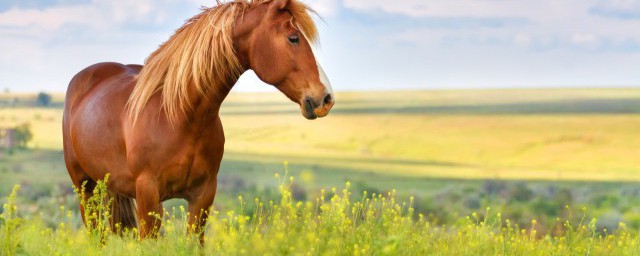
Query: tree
43, 100
23, 135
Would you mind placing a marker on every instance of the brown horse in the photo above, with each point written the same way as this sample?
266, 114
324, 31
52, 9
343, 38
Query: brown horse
155, 129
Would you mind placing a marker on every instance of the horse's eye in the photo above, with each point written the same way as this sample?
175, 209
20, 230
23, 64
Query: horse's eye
294, 39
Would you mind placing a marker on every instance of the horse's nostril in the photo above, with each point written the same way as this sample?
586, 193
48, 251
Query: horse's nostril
308, 104
327, 99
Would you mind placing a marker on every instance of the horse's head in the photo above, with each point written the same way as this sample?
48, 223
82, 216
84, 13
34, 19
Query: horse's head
278, 49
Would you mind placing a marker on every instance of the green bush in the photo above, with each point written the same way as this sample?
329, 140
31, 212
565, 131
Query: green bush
43, 99
23, 135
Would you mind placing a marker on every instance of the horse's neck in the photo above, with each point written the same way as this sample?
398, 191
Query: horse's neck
241, 31
208, 106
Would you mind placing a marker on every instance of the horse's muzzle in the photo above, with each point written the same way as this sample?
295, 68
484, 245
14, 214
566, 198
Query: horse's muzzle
312, 109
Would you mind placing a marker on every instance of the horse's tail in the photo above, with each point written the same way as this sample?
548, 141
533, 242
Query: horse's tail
123, 213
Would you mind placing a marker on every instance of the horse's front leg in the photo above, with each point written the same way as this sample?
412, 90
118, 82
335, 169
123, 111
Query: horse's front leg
149, 206
199, 209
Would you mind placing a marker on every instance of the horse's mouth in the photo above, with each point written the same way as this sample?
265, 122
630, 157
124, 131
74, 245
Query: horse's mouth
308, 110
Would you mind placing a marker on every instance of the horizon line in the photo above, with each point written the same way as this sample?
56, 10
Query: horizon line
381, 90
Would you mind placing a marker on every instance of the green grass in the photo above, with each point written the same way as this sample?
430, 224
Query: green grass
39, 172
331, 224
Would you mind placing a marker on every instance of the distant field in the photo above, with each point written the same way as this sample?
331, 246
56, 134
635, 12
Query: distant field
508, 134
590, 134
526, 153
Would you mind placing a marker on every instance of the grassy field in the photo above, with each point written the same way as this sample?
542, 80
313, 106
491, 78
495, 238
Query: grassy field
414, 138
520, 134
551, 135
528, 154
332, 224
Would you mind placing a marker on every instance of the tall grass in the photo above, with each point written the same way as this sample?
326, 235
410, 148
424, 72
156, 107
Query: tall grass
331, 224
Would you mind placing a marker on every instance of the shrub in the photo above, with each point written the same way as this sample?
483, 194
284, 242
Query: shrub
23, 135
43, 99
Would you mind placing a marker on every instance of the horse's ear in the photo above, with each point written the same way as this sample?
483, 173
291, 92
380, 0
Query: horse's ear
277, 6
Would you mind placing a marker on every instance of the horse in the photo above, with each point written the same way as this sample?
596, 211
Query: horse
155, 130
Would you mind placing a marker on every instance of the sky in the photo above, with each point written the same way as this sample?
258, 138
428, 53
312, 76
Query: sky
364, 44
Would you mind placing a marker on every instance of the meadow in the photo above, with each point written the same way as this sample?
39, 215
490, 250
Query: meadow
332, 224
554, 156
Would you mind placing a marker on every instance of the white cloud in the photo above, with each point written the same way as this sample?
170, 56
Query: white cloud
325, 8
453, 8
48, 19
522, 39
57, 41
122, 12
622, 9
97, 14
549, 23
584, 38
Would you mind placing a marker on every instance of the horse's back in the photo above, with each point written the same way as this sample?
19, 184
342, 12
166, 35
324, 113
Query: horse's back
82, 85
93, 75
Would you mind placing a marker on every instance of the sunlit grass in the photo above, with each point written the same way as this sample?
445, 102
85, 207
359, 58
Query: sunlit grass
575, 135
46, 125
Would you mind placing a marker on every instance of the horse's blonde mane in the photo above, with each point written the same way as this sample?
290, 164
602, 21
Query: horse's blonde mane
199, 58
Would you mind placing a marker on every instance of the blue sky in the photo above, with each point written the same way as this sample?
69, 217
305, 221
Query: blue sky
365, 44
